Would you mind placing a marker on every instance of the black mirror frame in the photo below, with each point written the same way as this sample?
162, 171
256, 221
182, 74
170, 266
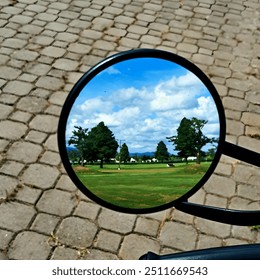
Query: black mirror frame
182, 204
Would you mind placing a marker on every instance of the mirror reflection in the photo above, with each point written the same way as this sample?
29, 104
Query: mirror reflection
142, 133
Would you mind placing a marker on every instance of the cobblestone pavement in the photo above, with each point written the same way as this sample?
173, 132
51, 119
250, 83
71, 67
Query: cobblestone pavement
45, 46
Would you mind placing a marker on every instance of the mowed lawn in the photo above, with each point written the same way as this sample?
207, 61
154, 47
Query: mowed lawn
139, 186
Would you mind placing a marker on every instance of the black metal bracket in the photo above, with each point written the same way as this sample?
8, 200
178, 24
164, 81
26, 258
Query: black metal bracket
222, 215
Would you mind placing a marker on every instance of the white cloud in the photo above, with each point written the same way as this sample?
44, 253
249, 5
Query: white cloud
206, 109
109, 119
70, 127
96, 104
211, 130
121, 117
176, 93
112, 71
130, 96
164, 101
143, 117
150, 125
188, 80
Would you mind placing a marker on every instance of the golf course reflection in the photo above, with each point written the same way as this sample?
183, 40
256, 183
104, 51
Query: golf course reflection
141, 185
142, 133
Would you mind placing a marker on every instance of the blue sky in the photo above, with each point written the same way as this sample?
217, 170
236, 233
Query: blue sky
143, 101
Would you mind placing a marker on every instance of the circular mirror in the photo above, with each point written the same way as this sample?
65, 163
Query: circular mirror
141, 131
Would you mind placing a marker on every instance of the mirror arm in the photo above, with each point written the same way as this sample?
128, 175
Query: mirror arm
227, 216
241, 153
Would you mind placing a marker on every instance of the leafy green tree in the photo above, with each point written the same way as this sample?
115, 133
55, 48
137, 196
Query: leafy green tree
161, 152
200, 139
190, 139
124, 153
182, 140
211, 153
79, 140
73, 156
103, 143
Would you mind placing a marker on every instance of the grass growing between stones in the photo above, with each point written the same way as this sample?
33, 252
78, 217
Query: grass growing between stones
140, 185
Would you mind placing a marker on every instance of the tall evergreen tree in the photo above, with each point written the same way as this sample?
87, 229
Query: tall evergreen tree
161, 152
104, 144
124, 153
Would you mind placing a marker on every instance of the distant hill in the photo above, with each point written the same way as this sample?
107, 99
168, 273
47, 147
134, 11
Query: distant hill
148, 154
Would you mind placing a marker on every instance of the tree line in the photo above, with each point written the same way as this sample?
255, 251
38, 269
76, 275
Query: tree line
99, 143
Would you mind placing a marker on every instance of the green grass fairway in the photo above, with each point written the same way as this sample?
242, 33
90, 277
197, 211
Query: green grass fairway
139, 186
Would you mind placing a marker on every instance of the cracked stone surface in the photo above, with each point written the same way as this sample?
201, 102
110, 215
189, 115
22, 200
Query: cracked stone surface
77, 230
45, 47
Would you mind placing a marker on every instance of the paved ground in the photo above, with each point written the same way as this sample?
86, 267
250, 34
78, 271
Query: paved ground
45, 46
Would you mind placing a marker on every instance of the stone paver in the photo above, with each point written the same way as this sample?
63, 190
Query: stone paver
87, 210
15, 216
204, 240
40, 175
22, 249
25, 152
45, 47
3, 256
45, 223
130, 251
65, 253
7, 186
49, 83
5, 238
147, 226
119, 222
95, 254
5, 111
12, 168
176, 235
56, 202
45, 123
12, 130
77, 231
213, 228
108, 241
